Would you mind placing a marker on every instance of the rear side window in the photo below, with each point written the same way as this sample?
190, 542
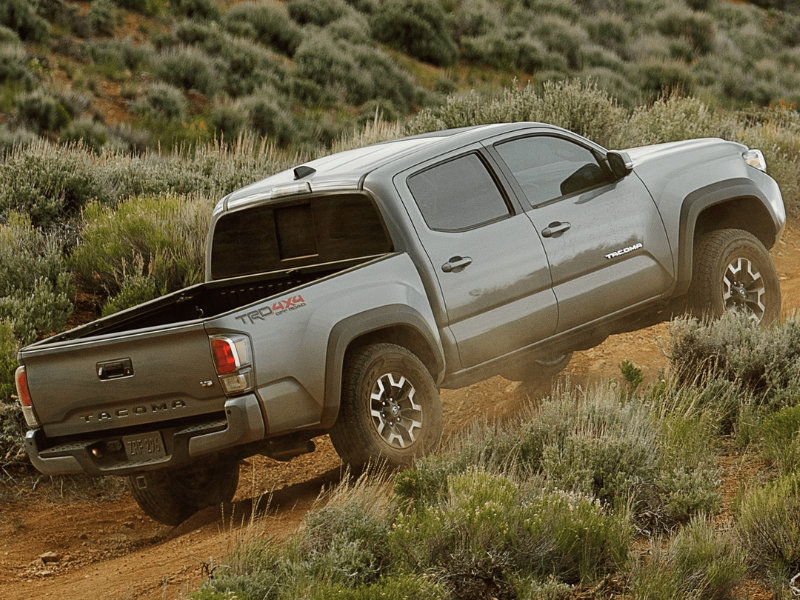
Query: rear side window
548, 167
458, 194
317, 230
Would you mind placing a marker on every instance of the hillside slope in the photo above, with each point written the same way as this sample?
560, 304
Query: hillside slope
145, 73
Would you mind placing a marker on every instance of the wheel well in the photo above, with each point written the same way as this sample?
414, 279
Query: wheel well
748, 214
402, 335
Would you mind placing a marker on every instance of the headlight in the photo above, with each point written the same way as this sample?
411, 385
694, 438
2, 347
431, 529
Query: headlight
755, 158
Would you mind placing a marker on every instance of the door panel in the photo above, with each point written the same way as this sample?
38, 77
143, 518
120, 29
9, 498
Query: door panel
489, 263
604, 238
612, 255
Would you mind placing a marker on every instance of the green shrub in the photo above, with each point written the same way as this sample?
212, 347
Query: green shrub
640, 455
613, 83
188, 67
698, 28
317, 12
708, 563
145, 7
356, 73
228, 120
9, 346
133, 290
8, 36
266, 24
486, 526
49, 183
575, 105
659, 77
609, 29
42, 112
352, 27
249, 66
417, 27
396, 586
512, 49
341, 550
35, 287
780, 439
267, 118
674, 118
102, 16
196, 9
91, 134
768, 524
162, 101
20, 15
562, 37
114, 56
344, 541
699, 562
14, 66
763, 361
161, 239
11, 139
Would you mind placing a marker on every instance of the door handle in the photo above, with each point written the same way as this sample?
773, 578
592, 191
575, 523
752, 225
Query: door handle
555, 228
456, 264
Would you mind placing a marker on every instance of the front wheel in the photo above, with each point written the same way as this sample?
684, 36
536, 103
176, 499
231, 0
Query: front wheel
390, 410
171, 496
733, 271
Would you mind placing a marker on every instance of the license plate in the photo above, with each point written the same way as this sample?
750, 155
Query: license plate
144, 447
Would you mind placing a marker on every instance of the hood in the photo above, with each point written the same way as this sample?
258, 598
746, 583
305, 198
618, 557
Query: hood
663, 152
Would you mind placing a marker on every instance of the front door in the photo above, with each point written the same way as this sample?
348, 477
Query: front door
606, 244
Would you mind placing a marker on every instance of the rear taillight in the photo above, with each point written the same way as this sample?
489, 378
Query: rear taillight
24, 395
233, 363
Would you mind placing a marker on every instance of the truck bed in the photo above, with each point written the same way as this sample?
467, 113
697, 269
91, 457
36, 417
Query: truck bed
151, 363
204, 300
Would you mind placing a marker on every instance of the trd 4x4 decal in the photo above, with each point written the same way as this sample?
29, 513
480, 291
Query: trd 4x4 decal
289, 304
276, 308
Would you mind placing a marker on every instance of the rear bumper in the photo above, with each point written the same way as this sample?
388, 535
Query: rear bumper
241, 423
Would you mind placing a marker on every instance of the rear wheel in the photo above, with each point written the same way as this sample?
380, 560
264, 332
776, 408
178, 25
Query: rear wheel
171, 496
733, 271
390, 410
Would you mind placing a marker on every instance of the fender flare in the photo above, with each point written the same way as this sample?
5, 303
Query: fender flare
358, 325
691, 208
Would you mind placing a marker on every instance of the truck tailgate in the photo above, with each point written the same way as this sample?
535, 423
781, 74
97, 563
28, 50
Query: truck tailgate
115, 381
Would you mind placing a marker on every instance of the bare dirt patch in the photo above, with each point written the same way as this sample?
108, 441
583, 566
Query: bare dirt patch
97, 543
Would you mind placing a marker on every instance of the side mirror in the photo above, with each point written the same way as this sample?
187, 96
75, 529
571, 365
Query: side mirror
619, 163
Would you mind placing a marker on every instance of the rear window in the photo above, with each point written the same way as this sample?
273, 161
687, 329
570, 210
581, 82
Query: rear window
313, 231
458, 194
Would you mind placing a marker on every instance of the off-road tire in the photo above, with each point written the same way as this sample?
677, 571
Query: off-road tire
390, 410
171, 496
733, 271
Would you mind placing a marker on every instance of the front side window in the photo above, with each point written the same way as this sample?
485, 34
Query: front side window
548, 167
458, 194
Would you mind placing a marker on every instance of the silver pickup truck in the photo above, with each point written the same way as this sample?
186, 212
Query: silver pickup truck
341, 295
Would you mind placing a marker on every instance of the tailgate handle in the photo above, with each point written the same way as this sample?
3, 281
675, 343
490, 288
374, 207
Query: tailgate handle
114, 369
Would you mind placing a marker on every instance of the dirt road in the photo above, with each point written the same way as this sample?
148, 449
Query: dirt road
63, 542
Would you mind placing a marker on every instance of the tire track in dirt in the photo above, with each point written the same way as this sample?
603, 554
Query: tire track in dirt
106, 548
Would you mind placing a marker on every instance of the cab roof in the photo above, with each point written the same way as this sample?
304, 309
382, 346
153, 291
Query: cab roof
346, 170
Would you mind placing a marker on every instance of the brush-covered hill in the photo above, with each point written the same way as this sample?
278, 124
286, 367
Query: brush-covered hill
132, 74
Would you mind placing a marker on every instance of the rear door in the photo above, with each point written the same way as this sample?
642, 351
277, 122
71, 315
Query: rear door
604, 238
490, 264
